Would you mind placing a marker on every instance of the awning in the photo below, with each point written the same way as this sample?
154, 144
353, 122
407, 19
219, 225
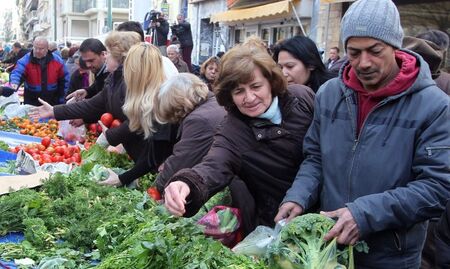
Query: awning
335, 1
268, 10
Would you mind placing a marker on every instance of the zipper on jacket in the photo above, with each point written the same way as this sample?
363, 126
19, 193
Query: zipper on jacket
397, 241
430, 149
354, 124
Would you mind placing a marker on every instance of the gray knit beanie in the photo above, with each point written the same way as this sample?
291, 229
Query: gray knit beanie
373, 18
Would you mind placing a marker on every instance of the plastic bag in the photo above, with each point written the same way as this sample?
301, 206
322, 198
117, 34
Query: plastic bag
16, 110
256, 243
222, 223
12, 99
71, 133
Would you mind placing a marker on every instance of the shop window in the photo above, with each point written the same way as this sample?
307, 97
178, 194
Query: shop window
265, 35
239, 36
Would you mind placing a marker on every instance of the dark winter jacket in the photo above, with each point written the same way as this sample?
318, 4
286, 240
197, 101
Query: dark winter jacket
193, 140
442, 239
184, 34
264, 155
195, 136
110, 99
392, 177
161, 33
99, 82
45, 78
156, 150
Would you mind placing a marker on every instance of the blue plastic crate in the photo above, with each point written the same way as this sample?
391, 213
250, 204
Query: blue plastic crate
12, 237
14, 139
6, 156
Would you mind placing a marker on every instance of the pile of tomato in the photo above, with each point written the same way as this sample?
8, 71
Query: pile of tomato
35, 128
95, 129
51, 152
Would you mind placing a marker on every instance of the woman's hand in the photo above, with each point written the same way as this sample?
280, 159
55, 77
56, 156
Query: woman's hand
101, 140
113, 180
175, 197
44, 111
288, 211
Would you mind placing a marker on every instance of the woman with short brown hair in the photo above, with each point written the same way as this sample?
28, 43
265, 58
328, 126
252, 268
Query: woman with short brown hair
209, 70
260, 140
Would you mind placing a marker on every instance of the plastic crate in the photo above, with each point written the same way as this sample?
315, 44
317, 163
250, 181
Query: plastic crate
14, 139
6, 156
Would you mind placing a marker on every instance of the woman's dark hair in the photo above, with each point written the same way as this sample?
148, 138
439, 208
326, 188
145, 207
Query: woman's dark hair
305, 50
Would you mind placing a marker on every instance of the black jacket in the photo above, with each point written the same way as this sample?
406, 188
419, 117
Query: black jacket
161, 33
184, 34
99, 82
264, 155
110, 99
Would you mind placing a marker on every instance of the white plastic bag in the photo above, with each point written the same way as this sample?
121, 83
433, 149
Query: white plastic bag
16, 110
12, 99
256, 242
71, 133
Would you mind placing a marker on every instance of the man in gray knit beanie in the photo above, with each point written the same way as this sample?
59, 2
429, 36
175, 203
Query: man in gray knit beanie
378, 19
376, 153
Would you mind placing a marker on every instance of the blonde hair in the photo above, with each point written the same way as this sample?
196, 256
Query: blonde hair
255, 42
118, 44
143, 75
178, 97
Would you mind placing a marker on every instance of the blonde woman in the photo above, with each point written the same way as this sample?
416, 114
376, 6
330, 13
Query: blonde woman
144, 74
110, 99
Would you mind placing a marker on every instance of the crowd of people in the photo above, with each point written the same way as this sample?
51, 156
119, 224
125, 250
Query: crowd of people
363, 138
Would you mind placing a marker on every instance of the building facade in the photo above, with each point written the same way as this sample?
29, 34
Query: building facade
80, 19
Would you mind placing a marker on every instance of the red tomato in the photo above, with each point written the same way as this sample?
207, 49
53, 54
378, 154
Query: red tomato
75, 149
77, 157
41, 147
59, 150
154, 193
93, 128
68, 153
99, 128
32, 151
46, 141
115, 123
107, 119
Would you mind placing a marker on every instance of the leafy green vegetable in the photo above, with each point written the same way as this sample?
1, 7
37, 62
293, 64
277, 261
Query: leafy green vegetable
9, 168
301, 245
98, 155
4, 146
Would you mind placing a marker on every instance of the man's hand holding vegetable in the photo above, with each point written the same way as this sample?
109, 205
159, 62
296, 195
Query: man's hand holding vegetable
345, 230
